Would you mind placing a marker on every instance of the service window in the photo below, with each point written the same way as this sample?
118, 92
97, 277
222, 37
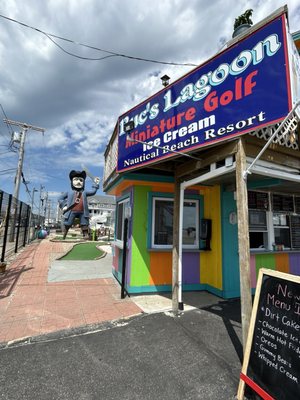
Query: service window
121, 207
281, 223
162, 223
273, 224
258, 229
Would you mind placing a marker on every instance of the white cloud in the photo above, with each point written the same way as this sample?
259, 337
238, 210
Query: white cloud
77, 101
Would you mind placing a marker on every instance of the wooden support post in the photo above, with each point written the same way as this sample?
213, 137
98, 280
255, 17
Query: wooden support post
243, 238
175, 252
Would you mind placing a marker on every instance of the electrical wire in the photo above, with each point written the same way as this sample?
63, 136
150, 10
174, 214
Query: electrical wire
7, 163
25, 183
7, 171
30, 155
30, 199
76, 55
27, 189
11, 146
9, 128
111, 53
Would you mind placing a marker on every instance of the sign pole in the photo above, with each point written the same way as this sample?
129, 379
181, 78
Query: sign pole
243, 240
175, 251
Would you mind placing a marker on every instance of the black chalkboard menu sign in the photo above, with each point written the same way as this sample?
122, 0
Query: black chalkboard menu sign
282, 203
258, 200
297, 205
295, 231
272, 355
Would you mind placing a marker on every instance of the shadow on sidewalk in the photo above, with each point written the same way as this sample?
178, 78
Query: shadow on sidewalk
230, 312
10, 278
17, 265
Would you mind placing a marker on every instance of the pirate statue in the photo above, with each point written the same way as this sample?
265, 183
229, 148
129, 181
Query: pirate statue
74, 203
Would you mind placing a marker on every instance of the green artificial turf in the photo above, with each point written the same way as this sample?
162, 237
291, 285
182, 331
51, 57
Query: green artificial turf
83, 251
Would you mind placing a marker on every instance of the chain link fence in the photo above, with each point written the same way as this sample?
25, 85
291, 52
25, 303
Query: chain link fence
17, 225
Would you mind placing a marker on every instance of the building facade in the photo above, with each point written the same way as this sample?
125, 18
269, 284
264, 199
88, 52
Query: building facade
179, 175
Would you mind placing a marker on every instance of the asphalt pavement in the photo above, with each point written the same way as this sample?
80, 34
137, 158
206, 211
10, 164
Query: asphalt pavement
65, 333
196, 355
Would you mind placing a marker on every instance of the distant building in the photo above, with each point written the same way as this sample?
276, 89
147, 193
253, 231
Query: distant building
102, 209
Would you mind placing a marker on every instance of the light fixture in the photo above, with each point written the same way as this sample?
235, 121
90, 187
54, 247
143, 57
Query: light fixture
129, 126
165, 80
294, 135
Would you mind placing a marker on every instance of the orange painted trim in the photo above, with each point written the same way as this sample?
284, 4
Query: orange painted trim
119, 189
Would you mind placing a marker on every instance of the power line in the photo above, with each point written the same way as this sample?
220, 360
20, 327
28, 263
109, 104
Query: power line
25, 127
25, 183
76, 55
8, 161
9, 128
10, 146
111, 53
6, 171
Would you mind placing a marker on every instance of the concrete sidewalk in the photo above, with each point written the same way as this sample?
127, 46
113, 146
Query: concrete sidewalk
38, 295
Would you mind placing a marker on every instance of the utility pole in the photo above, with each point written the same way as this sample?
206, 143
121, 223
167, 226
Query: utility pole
20, 163
41, 203
32, 198
49, 211
31, 213
45, 207
25, 127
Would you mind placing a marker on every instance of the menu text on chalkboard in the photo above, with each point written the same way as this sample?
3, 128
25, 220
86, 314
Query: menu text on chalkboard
295, 231
283, 203
258, 200
274, 353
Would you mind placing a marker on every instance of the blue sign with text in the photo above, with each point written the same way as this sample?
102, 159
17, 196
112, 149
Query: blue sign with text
241, 89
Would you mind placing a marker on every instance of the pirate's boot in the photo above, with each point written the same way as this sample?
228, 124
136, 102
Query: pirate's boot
85, 232
66, 229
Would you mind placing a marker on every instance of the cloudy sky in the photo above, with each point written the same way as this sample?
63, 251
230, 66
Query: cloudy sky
77, 97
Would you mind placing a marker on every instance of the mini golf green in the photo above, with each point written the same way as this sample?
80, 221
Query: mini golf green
83, 251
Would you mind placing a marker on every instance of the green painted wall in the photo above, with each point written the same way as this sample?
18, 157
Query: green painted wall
140, 261
265, 261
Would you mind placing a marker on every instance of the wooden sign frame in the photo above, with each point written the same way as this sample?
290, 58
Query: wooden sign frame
244, 378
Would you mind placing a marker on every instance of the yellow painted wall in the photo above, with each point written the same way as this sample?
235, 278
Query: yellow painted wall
211, 261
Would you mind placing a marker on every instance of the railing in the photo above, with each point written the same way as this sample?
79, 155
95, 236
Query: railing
287, 136
17, 225
111, 157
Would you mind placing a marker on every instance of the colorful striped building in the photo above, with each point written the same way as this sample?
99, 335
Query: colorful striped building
145, 183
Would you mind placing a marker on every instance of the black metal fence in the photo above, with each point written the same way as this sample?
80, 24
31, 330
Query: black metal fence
17, 225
